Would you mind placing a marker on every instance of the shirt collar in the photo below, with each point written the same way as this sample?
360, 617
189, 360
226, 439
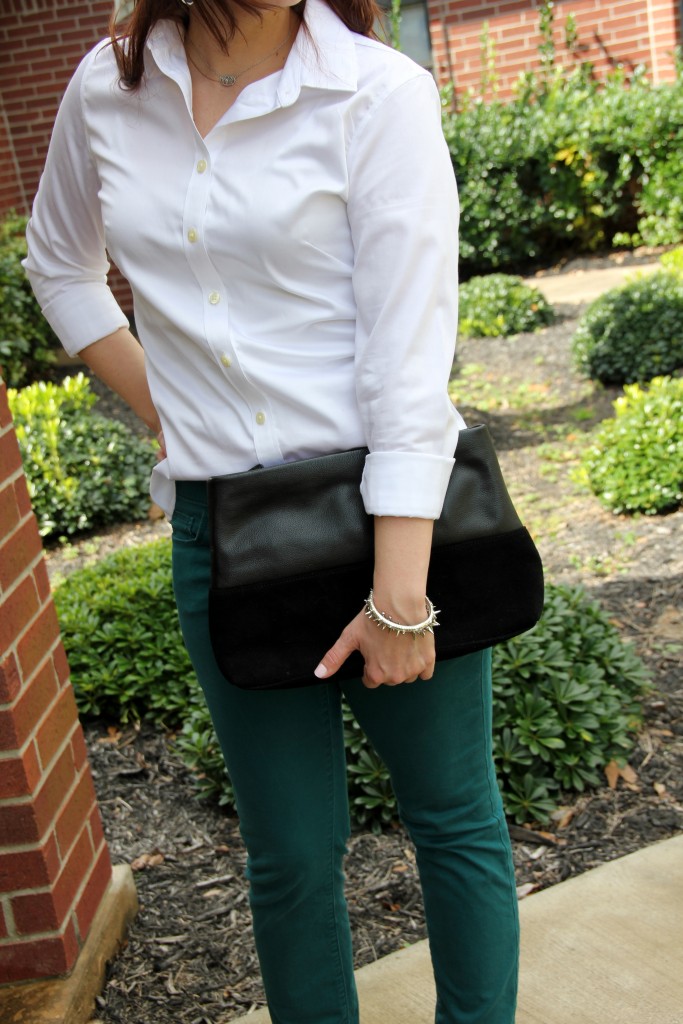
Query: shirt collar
324, 57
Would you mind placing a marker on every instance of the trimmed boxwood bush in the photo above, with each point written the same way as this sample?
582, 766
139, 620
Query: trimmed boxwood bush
565, 693
634, 332
498, 305
635, 463
83, 470
27, 342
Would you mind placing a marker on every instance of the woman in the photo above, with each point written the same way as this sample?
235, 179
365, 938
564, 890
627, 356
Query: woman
274, 183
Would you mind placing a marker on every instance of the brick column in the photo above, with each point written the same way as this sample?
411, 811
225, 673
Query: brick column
54, 862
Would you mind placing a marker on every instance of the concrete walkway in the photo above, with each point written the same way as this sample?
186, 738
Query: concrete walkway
605, 947
577, 286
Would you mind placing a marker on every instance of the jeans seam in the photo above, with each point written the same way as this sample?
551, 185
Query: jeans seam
499, 818
334, 921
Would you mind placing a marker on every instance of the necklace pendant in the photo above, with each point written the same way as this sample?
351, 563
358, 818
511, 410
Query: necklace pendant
227, 80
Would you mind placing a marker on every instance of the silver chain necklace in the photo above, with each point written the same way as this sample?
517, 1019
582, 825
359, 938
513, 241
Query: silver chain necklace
227, 80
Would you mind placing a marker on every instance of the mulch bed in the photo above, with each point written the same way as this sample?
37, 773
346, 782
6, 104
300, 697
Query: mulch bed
190, 956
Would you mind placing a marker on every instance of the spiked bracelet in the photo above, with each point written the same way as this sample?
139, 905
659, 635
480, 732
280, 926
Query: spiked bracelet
386, 622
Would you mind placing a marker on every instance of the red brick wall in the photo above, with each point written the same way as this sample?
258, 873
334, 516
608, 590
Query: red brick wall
41, 44
54, 862
625, 32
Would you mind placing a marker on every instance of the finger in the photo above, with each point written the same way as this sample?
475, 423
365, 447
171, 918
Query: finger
336, 656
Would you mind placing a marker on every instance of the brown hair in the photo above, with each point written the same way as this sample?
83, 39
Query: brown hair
129, 40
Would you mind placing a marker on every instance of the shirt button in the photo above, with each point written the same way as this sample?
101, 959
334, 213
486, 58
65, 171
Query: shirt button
201, 166
226, 360
214, 298
192, 235
260, 418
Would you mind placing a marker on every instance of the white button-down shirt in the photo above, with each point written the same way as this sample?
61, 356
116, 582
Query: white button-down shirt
294, 272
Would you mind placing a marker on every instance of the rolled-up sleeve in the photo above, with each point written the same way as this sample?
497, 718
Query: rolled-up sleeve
403, 211
67, 262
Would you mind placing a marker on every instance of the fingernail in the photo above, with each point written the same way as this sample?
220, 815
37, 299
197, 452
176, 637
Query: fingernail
321, 671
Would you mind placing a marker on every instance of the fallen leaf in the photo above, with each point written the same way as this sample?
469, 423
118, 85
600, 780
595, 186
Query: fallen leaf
113, 735
612, 774
525, 890
563, 815
147, 860
660, 789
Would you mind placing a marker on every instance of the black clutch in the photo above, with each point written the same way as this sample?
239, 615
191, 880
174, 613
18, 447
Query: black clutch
292, 561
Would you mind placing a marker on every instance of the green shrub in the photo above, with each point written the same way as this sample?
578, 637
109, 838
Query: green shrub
634, 332
635, 463
83, 470
121, 634
498, 305
565, 693
27, 342
673, 260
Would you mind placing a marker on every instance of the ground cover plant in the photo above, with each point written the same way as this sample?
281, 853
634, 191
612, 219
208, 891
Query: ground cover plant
83, 470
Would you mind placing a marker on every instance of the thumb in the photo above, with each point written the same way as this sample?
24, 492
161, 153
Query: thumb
337, 655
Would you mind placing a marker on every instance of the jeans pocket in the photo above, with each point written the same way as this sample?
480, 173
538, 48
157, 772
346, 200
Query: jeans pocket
186, 525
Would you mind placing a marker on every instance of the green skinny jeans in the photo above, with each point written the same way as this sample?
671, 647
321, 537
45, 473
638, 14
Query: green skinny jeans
285, 755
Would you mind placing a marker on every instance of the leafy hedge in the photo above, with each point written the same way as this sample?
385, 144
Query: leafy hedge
565, 694
27, 342
83, 469
568, 163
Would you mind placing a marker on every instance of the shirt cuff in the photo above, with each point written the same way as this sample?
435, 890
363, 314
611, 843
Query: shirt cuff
83, 314
410, 484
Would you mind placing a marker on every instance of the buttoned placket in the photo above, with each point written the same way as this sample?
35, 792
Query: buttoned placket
215, 294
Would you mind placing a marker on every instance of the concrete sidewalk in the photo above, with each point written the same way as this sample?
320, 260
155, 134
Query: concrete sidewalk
605, 947
577, 286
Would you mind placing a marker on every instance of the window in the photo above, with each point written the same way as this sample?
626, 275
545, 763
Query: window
414, 31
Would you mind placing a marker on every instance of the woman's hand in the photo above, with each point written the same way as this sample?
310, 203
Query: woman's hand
390, 659
161, 453
402, 549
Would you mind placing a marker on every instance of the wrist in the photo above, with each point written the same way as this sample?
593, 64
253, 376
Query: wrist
420, 628
403, 606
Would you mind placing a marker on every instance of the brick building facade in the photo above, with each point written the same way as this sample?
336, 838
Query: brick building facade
626, 32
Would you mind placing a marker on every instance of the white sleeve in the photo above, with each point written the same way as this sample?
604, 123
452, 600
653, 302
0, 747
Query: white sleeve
403, 211
67, 263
